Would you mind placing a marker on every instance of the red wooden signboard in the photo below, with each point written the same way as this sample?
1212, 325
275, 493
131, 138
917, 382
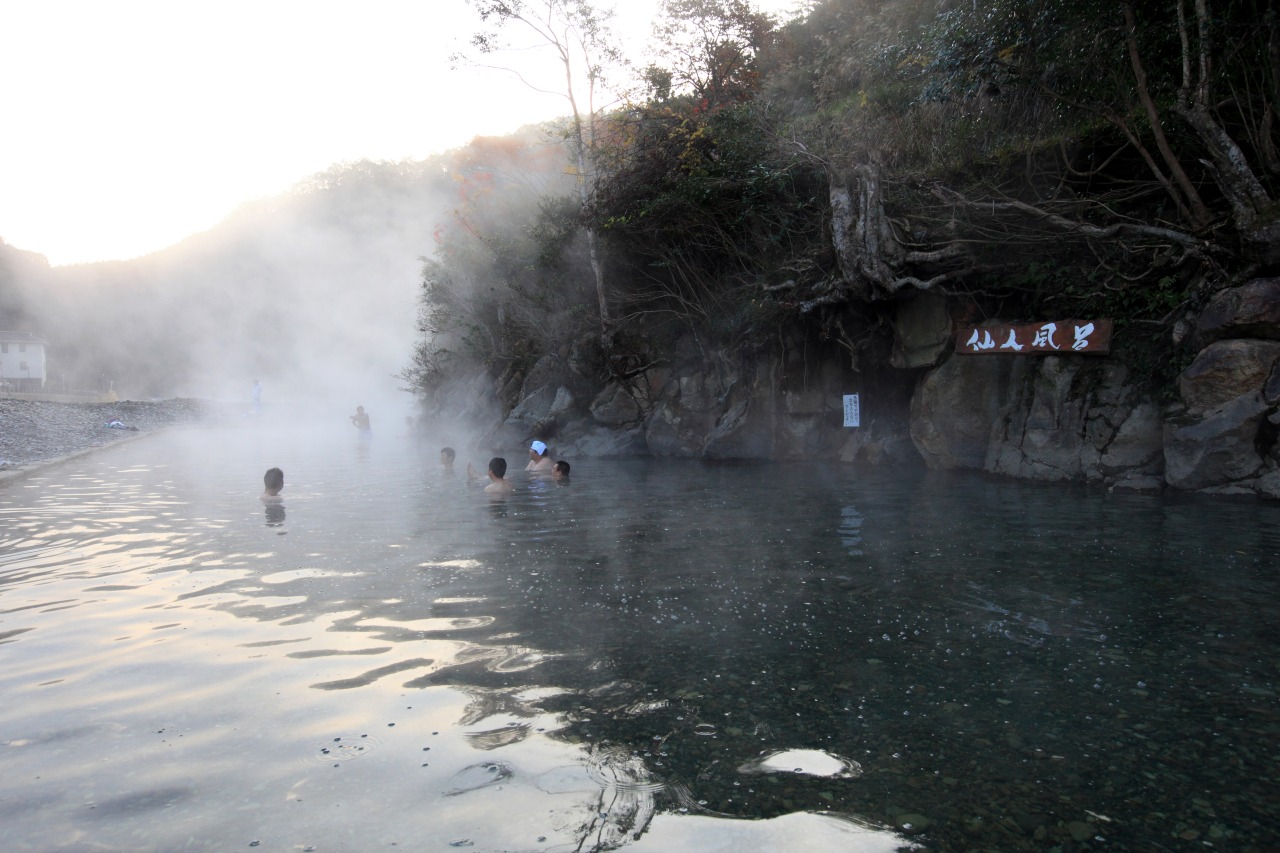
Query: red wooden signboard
1056, 337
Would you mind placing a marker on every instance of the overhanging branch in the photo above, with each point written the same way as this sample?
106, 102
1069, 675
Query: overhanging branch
1085, 229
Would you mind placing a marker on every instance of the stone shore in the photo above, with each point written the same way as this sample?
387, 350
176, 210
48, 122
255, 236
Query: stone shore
34, 432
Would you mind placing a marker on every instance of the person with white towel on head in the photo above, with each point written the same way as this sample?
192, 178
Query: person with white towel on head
539, 461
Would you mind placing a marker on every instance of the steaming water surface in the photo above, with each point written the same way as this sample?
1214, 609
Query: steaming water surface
661, 656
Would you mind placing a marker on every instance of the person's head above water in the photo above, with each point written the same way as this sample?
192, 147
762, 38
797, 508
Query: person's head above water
273, 480
447, 455
537, 450
560, 471
498, 467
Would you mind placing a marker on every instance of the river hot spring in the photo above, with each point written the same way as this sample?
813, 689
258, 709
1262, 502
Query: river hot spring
661, 655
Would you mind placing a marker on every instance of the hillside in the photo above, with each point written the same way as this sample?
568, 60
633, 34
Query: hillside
808, 210
816, 209
312, 292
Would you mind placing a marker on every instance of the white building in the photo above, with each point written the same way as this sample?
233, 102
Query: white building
22, 363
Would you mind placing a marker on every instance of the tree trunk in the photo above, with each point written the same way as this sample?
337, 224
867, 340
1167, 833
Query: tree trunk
593, 249
1255, 215
843, 225
1199, 212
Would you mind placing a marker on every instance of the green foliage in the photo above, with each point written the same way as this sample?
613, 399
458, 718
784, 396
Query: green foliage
1150, 302
1014, 139
704, 207
509, 276
712, 48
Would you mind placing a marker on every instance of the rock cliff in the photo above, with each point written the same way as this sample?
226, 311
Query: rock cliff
1057, 417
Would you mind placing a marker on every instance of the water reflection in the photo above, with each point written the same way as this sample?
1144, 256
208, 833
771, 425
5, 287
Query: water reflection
710, 658
807, 762
275, 514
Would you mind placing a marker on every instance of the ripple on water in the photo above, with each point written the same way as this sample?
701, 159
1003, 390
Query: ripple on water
478, 776
430, 624
342, 748
519, 660
806, 762
636, 709
300, 574
570, 779
495, 738
370, 676
618, 769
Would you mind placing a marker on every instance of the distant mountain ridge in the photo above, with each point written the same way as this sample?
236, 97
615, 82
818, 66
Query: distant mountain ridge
316, 287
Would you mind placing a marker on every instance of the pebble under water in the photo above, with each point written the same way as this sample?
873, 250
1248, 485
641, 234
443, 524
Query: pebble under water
662, 656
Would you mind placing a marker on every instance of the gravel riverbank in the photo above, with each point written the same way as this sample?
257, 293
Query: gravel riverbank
32, 432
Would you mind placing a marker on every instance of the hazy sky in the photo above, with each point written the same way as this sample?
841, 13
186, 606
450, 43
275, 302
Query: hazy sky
131, 124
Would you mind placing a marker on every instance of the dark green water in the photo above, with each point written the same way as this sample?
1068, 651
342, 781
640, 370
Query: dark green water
392, 659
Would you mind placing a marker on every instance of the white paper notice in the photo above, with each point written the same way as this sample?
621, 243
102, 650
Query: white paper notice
852, 411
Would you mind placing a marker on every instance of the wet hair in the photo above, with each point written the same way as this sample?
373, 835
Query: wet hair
498, 466
273, 479
448, 453
562, 467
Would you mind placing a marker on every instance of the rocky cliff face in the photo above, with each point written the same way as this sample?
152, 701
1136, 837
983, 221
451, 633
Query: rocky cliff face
1222, 437
776, 403
1078, 418
1033, 417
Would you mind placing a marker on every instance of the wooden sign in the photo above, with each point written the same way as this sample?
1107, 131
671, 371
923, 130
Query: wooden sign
1059, 337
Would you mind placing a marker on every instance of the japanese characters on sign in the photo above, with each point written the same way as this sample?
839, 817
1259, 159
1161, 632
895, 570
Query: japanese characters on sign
852, 411
1063, 337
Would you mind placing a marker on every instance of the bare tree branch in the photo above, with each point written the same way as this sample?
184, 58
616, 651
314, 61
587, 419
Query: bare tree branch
1083, 228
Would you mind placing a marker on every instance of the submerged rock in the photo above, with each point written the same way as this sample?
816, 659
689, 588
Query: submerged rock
912, 823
